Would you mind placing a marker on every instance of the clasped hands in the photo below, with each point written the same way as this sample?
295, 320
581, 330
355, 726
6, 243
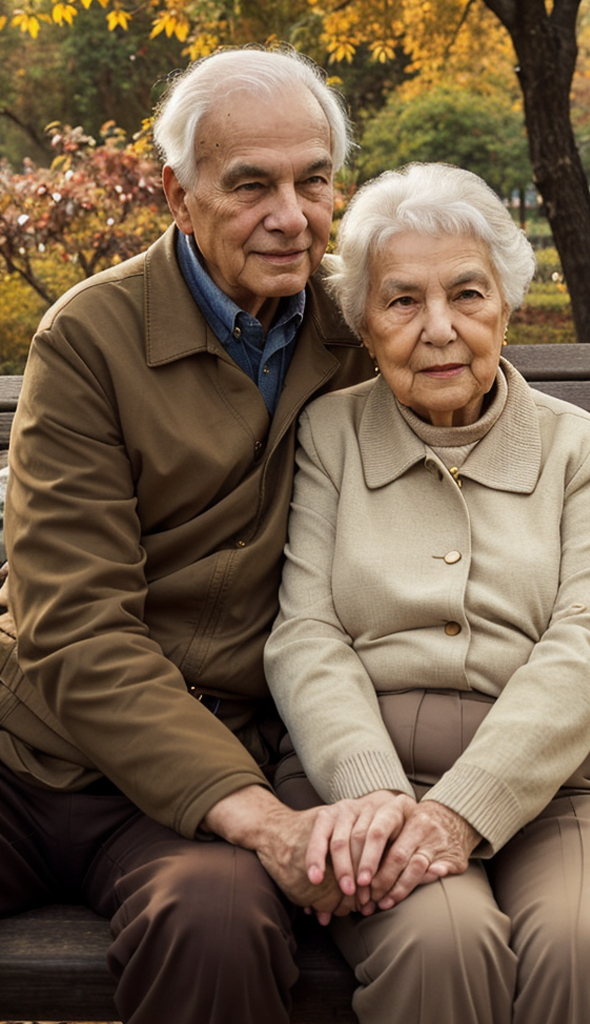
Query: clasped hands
379, 847
361, 854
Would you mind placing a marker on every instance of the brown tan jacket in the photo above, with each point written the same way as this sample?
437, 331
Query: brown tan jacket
146, 518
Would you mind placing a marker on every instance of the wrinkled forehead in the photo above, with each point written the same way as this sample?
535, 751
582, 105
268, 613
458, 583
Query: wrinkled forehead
245, 124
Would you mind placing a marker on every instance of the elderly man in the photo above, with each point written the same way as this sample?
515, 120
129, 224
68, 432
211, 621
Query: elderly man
151, 471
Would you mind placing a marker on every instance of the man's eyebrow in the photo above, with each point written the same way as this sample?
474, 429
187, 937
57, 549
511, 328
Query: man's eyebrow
323, 164
254, 172
242, 171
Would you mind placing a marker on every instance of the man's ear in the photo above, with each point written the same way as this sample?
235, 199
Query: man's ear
176, 198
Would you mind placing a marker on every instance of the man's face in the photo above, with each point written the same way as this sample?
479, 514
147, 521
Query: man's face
261, 209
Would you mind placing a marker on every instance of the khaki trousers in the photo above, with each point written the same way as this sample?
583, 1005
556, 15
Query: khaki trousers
504, 943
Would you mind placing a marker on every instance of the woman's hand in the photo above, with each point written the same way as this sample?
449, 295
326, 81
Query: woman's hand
354, 835
435, 841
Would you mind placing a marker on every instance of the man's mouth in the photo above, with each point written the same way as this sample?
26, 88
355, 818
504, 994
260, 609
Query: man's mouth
282, 257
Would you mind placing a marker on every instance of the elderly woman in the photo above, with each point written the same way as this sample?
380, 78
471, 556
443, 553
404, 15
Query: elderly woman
431, 658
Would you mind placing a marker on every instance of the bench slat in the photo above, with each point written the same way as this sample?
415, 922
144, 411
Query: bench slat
53, 967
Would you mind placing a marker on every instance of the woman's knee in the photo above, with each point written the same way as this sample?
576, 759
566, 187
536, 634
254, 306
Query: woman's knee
442, 954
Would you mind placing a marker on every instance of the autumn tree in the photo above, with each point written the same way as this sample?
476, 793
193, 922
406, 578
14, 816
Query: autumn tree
96, 205
480, 132
436, 40
544, 38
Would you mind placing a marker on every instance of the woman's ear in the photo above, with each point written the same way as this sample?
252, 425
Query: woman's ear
367, 345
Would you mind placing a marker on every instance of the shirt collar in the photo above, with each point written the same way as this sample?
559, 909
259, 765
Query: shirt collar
221, 312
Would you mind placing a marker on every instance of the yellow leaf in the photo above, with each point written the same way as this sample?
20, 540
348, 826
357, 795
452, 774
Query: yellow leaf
27, 23
3, 20
63, 12
182, 29
117, 19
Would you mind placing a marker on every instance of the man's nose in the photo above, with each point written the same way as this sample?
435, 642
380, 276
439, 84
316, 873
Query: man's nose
286, 214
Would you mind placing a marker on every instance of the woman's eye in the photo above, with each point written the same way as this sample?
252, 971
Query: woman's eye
402, 300
470, 293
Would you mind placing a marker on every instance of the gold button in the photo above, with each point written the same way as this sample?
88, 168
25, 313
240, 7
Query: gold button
241, 543
452, 556
237, 332
452, 628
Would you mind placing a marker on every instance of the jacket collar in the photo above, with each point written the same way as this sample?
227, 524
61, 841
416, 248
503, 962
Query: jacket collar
175, 329
508, 458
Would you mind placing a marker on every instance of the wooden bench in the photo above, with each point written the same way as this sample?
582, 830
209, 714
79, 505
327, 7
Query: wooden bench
52, 960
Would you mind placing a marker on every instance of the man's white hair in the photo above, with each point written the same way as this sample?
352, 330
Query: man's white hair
264, 72
431, 199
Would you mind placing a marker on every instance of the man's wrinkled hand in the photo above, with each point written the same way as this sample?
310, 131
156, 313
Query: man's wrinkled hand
255, 819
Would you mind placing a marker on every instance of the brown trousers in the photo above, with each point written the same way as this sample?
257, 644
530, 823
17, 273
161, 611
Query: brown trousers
201, 933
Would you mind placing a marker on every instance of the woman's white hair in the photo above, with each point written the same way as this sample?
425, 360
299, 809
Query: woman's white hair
264, 72
431, 199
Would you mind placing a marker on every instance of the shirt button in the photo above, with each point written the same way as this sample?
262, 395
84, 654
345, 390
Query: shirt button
452, 556
241, 543
258, 449
452, 628
265, 369
237, 333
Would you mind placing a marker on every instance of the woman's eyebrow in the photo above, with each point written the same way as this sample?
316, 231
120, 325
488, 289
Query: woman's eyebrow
471, 277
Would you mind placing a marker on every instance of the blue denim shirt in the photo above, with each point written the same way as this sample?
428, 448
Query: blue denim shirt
265, 360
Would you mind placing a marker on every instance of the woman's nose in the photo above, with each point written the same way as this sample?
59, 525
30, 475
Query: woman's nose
438, 324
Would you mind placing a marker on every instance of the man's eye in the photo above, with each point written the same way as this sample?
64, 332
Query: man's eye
401, 300
470, 293
250, 186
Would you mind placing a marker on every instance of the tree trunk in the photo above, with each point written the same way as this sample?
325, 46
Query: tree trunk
546, 48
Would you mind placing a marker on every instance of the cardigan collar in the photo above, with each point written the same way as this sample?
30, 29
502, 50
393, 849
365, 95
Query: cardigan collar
507, 458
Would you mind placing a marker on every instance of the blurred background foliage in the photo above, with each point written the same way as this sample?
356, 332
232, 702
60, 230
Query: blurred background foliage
79, 182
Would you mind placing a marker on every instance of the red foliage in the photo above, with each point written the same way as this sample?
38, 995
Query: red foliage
96, 205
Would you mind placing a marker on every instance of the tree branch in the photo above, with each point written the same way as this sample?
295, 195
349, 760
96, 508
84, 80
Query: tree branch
30, 131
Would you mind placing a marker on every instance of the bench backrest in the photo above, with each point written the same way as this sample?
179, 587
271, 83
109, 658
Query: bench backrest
560, 370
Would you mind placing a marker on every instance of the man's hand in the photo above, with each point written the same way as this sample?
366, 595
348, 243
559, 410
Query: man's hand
255, 819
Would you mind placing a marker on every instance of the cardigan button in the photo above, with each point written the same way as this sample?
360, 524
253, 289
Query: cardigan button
452, 556
452, 628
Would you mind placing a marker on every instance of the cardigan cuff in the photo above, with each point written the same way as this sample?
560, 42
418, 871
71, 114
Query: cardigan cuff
487, 803
366, 771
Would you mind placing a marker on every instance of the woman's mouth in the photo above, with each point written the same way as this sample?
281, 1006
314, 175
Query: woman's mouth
445, 371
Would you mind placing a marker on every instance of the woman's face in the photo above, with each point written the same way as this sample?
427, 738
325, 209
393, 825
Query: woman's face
434, 323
